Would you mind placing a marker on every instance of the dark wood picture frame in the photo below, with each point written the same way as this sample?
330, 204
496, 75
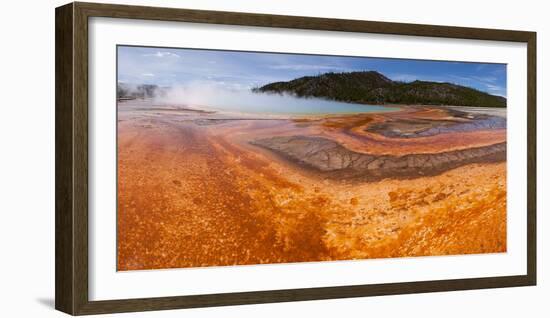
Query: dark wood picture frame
71, 158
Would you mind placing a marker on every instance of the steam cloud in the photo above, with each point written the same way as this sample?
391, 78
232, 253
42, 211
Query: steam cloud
214, 97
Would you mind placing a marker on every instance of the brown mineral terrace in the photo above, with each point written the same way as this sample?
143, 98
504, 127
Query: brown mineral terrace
328, 156
201, 188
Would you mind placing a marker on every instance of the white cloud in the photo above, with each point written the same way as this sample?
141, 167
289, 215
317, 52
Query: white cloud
148, 74
494, 88
490, 79
160, 54
489, 82
478, 79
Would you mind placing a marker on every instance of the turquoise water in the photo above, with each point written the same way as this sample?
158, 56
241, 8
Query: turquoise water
247, 102
287, 105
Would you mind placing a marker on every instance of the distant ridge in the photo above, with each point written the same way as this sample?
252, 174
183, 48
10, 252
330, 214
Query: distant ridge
371, 87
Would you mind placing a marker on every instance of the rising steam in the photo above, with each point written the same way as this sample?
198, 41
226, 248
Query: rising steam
214, 97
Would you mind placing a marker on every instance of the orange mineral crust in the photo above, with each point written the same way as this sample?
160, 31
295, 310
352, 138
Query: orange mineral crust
194, 190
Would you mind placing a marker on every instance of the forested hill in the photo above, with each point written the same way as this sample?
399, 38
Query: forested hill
371, 87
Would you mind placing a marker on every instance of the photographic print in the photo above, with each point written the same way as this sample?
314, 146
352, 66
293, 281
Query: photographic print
242, 158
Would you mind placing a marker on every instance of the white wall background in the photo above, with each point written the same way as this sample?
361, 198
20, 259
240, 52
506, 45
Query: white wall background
27, 158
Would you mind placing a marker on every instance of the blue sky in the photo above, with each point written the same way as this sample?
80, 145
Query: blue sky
237, 70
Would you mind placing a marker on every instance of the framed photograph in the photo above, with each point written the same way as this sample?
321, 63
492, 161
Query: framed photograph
211, 158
